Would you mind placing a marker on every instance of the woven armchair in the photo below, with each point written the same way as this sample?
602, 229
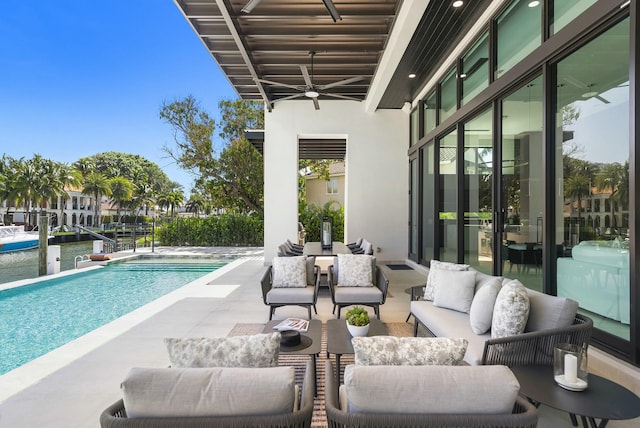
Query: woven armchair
524, 415
115, 416
536, 347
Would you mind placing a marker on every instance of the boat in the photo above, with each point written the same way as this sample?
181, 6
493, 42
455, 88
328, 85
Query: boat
15, 238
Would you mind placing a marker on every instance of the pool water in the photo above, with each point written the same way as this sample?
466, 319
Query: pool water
37, 318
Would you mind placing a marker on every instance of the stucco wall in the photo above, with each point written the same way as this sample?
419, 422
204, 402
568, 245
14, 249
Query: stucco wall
376, 171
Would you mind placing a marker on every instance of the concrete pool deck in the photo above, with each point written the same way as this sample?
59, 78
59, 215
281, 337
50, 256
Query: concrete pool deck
72, 385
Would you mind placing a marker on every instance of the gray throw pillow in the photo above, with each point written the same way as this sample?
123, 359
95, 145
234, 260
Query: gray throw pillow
454, 289
258, 350
436, 264
481, 311
289, 272
511, 311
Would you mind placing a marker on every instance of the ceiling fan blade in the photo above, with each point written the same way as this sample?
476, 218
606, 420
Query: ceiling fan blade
316, 104
290, 97
307, 77
341, 82
343, 97
284, 85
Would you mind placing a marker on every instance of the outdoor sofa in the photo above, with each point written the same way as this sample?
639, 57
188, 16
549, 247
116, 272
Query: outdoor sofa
551, 320
426, 396
232, 408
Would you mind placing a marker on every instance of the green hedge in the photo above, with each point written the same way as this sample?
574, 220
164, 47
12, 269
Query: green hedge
225, 230
311, 217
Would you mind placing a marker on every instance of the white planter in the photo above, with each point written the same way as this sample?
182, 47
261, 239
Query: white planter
358, 331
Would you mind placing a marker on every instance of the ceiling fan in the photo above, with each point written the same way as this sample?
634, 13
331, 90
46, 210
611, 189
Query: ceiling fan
312, 91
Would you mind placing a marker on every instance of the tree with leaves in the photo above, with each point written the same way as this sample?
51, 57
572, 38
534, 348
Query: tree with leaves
232, 176
97, 185
121, 193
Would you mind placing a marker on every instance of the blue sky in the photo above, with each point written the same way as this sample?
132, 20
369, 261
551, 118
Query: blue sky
84, 77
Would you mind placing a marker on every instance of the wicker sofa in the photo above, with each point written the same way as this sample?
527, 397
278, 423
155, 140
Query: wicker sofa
116, 414
551, 320
414, 396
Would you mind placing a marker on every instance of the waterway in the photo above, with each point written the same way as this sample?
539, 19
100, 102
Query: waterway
24, 264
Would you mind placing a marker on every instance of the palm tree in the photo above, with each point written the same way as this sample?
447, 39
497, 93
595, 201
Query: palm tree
576, 187
121, 193
615, 177
171, 200
65, 176
96, 184
195, 204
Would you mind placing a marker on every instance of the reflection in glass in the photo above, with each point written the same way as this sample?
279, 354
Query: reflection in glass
448, 96
565, 11
592, 139
413, 168
519, 33
475, 69
415, 127
447, 220
523, 185
478, 181
428, 200
429, 107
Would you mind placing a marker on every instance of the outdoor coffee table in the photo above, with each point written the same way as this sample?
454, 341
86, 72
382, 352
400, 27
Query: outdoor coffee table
603, 399
339, 338
314, 332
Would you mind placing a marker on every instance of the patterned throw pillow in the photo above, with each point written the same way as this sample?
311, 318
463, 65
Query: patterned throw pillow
481, 311
355, 270
408, 351
431, 284
289, 272
511, 311
258, 350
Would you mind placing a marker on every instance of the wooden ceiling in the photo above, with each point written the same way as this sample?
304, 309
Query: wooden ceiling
275, 38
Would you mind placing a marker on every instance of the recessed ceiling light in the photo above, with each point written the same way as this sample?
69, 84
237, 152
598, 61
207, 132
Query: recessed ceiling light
589, 94
412, 76
457, 3
533, 3
463, 75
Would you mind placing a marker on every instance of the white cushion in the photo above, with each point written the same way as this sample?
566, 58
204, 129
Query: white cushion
257, 350
408, 351
289, 272
355, 270
454, 289
483, 278
191, 392
481, 311
511, 311
430, 389
435, 264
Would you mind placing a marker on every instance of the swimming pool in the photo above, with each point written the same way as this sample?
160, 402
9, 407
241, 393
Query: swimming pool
37, 318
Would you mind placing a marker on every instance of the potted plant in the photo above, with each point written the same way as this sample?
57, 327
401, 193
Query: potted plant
357, 321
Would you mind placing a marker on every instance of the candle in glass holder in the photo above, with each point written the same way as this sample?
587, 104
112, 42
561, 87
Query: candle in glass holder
571, 368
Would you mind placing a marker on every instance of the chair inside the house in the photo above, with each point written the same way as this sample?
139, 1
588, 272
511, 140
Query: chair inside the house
357, 280
291, 281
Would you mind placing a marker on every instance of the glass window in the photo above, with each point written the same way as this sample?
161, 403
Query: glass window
429, 107
448, 96
565, 11
478, 182
522, 187
447, 225
475, 69
332, 186
413, 168
592, 139
415, 126
519, 33
428, 201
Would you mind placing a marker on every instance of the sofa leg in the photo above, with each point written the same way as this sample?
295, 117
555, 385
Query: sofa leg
309, 311
339, 307
415, 327
376, 309
270, 312
315, 310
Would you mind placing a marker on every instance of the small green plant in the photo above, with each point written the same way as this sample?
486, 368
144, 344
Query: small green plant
357, 316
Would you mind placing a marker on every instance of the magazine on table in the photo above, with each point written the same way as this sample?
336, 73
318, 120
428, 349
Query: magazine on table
297, 324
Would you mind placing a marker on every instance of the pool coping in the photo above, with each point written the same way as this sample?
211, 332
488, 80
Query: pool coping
28, 374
